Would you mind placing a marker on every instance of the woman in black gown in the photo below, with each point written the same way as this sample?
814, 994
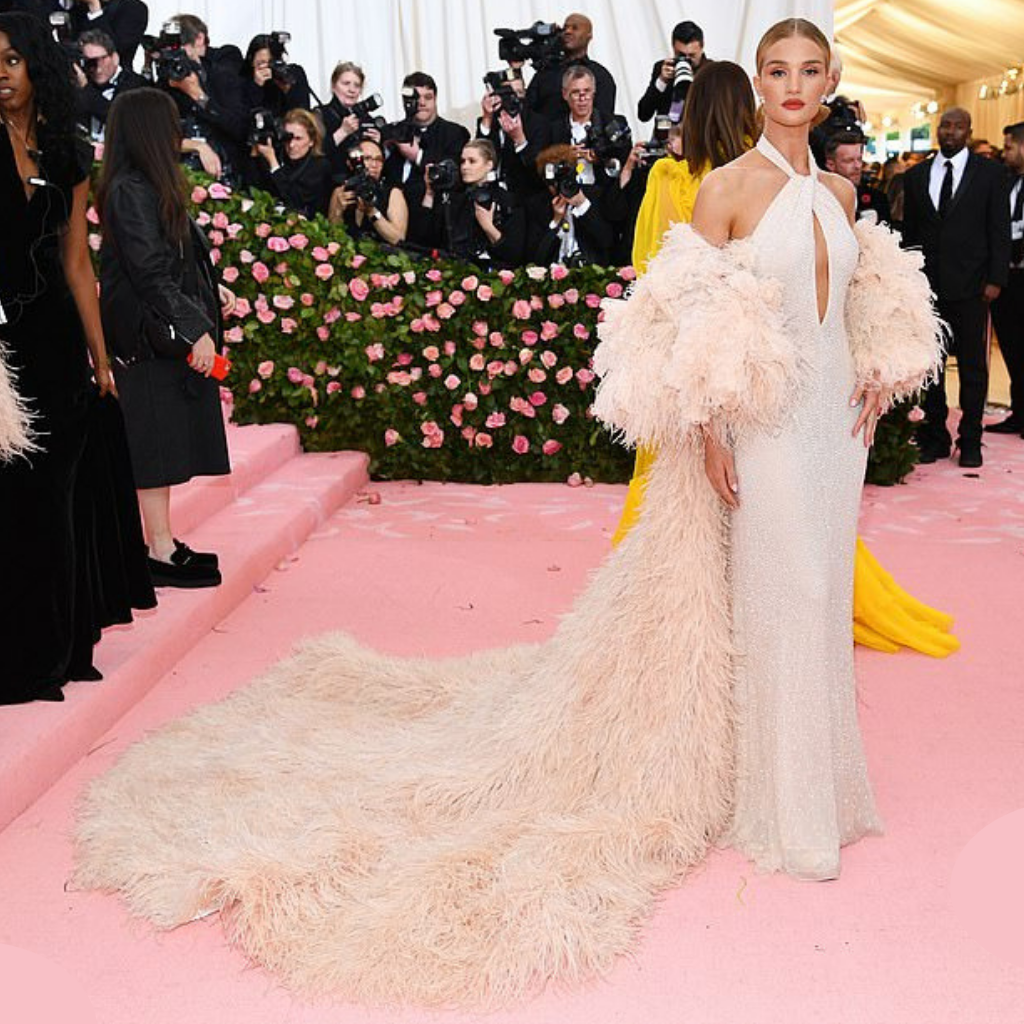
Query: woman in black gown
72, 557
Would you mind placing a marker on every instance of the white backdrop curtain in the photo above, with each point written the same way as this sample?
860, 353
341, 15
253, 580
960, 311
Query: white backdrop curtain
453, 40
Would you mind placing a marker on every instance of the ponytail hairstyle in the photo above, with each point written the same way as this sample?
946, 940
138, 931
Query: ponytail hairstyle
790, 28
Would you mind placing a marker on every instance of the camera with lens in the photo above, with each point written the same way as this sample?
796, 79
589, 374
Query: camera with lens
682, 78
404, 130
564, 177
364, 109
265, 128
170, 61
610, 141
282, 72
60, 26
657, 146
490, 196
443, 176
541, 44
361, 183
499, 83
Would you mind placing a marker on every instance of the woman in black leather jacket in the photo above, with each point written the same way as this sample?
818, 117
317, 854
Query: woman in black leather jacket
161, 306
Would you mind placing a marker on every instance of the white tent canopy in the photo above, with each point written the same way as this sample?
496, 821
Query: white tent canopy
453, 40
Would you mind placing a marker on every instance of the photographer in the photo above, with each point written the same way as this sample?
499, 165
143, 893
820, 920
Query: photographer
347, 117
302, 180
473, 216
269, 81
517, 133
207, 90
567, 226
620, 202
544, 96
670, 78
368, 206
102, 79
124, 21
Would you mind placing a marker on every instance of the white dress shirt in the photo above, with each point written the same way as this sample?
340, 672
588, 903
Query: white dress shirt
959, 162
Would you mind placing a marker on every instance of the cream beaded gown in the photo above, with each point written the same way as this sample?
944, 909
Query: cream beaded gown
802, 786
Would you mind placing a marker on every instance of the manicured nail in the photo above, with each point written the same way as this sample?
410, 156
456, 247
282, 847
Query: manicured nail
735, 488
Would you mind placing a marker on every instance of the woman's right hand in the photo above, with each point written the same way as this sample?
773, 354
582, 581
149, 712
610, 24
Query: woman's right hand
262, 75
721, 471
203, 352
349, 126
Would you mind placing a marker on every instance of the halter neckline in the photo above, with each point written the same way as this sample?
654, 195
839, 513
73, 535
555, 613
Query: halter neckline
767, 150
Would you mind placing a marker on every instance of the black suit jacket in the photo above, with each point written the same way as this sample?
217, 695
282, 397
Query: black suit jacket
124, 21
544, 93
438, 141
970, 246
519, 169
91, 102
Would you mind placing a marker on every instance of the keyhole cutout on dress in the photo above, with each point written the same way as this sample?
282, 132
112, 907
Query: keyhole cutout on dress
822, 271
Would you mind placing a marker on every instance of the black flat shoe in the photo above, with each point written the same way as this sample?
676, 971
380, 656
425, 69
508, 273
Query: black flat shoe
970, 457
199, 557
183, 571
1011, 425
930, 453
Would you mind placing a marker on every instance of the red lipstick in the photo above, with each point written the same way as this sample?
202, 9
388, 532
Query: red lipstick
794, 104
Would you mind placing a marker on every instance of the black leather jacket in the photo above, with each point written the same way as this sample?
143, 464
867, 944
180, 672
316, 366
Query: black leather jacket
143, 273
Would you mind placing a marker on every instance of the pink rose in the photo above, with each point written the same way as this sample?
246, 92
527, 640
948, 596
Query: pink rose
536, 302
497, 339
260, 272
495, 421
574, 480
477, 362
229, 274
433, 435
537, 375
234, 335
324, 271
245, 256
277, 244
242, 307
521, 309
593, 301
470, 401
359, 392
445, 311
457, 298
549, 330
203, 218
581, 332
215, 256
332, 314
627, 274
468, 433
556, 300
417, 326
404, 358
433, 298
306, 299
420, 398
266, 368
520, 444
219, 191
449, 348
480, 328
298, 241
559, 414
288, 325
283, 302
266, 316
335, 247
538, 398
358, 289
916, 415
434, 370
409, 277
559, 273
484, 388
234, 230
220, 220
374, 352
613, 290
281, 268
495, 367
451, 382
548, 358
295, 375
511, 367
199, 195
506, 276
470, 283
391, 437
484, 293
431, 353
434, 275
254, 386
312, 421
377, 310
551, 447
320, 253
564, 375
456, 415
483, 440
525, 355
333, 387
529, 337
323, 333
399, 378
355, 263
572, 296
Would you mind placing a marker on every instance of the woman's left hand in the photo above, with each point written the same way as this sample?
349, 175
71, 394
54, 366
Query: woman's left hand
227, 300
105, 379
871, 401
484, 215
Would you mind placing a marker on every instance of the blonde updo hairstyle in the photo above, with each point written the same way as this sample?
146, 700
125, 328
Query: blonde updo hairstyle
790, 28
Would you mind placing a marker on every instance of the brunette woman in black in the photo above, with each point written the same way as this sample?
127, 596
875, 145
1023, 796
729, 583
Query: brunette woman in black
72, 559
301, 178
161, 307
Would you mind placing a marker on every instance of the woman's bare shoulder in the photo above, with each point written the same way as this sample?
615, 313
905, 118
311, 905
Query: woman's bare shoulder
843, 189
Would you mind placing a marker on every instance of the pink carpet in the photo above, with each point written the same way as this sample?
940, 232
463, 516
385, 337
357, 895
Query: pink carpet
449, 568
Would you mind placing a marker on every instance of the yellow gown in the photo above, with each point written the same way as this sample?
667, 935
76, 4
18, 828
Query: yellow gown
885, 617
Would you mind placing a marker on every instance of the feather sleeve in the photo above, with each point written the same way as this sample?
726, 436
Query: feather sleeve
700, 339
15, 419
895, 335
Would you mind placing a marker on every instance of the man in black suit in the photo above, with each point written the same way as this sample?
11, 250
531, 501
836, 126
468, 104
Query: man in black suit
1008, 309
544, 95
104, 78
688, 42
956, 211
124, 21
844, 155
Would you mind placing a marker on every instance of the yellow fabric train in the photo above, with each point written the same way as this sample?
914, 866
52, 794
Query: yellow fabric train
885, 617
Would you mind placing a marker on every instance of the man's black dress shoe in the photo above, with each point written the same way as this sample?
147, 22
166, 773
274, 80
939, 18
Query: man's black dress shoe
199, 557
930, 453
1011, 425
970, 457
183, 570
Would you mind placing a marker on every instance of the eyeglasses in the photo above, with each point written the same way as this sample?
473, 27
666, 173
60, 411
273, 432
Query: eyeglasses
372, 159
581, 94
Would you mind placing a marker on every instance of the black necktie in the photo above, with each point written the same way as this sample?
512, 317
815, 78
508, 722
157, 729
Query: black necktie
1018, 206
946, 192
1017, 244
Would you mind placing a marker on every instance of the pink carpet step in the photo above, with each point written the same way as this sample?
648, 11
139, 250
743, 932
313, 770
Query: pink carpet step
270, 520
256, 451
